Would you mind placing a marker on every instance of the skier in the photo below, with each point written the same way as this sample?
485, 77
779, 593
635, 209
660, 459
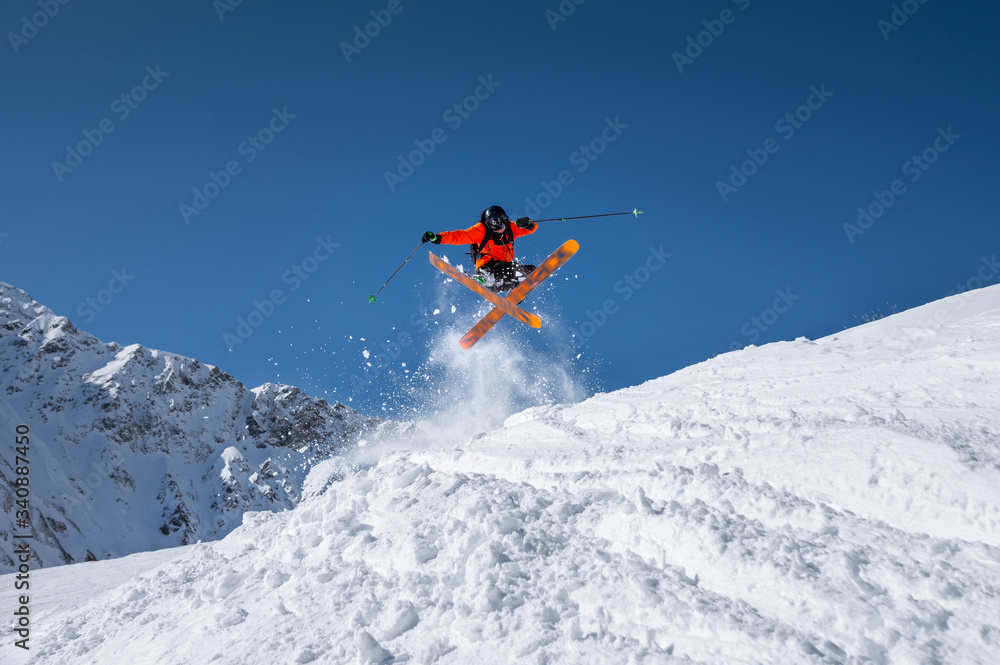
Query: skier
492, 241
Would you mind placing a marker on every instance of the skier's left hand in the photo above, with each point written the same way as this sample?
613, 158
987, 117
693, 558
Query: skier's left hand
524, 222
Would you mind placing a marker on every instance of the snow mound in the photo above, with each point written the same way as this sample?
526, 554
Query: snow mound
830, 501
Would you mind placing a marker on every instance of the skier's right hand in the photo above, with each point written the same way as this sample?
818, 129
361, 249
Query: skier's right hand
430, 236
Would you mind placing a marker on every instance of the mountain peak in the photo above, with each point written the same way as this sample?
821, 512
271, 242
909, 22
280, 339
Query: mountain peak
137, 443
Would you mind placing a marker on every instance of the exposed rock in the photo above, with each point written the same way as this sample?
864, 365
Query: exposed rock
134, 449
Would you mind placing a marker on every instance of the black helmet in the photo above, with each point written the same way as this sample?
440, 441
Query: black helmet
494, 217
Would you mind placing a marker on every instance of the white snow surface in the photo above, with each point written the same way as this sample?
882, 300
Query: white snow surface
830, 501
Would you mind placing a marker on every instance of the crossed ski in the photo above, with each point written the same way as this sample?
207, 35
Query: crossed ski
509, 305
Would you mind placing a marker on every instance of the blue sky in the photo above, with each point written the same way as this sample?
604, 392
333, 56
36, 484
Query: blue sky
750, 132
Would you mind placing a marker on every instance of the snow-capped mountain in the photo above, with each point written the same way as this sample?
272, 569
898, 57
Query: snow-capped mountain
134, 449
829, 501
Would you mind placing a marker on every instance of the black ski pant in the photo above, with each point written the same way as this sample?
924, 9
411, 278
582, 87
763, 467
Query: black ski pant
503, 276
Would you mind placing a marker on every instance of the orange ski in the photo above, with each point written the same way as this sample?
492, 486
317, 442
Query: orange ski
496, 299
521, 291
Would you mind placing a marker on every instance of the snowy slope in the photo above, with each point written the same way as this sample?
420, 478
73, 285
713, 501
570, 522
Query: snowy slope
835, 501
134, 449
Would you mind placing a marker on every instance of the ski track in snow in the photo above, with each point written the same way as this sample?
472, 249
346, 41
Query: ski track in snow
835, 501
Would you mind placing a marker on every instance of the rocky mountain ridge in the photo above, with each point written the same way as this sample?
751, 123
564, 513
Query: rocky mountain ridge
134, 449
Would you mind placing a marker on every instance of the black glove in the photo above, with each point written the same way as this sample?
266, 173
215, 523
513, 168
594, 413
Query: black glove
430, 236
524, 223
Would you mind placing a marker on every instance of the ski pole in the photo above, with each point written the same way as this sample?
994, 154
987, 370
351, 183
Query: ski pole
635, 212
372, 298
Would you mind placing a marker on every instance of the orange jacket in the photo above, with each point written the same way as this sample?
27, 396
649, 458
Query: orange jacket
492, 250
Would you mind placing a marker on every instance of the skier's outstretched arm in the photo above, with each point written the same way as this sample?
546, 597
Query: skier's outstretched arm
473, 234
